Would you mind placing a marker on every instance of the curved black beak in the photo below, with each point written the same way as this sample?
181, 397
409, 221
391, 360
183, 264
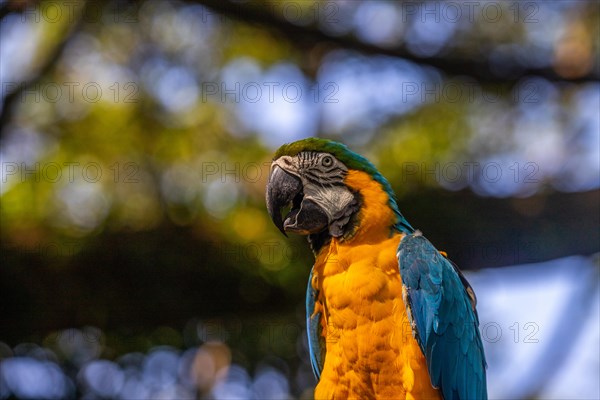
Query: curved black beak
282, 188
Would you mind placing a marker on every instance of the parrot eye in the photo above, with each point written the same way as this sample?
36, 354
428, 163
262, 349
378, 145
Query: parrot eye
327, 161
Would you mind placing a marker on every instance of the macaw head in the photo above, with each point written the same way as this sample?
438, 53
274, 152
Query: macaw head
332, 192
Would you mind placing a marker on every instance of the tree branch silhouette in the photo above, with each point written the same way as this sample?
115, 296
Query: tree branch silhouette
308, 37
481, 70
12, 98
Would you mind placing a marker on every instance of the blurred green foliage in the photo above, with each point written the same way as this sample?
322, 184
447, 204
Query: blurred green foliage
132, 194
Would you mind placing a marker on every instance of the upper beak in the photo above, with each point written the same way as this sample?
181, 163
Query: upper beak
281, 190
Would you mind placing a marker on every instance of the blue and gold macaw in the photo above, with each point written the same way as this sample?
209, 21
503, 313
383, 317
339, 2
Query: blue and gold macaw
388, 315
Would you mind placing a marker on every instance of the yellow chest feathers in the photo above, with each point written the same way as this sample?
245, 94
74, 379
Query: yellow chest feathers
370, 350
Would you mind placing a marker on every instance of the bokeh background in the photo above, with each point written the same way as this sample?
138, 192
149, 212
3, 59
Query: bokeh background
138, 260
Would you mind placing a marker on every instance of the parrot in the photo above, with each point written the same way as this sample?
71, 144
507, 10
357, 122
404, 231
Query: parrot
388, 315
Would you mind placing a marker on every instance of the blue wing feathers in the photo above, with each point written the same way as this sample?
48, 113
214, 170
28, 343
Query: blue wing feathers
446, 323
316, 345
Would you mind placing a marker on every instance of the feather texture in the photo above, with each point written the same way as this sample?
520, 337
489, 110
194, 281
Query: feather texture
446, 323
316, 342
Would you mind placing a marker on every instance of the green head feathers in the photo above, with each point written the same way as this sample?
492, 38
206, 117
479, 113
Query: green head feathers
353, 161
338, 150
